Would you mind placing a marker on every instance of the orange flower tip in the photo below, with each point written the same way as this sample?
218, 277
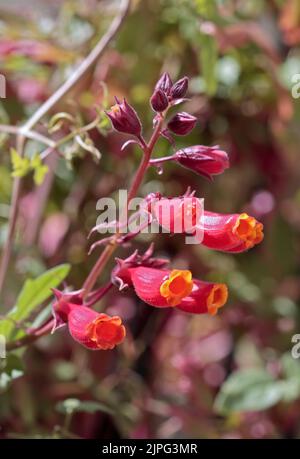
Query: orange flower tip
115, 108
177, 286
217, 298
249, 230
106, 331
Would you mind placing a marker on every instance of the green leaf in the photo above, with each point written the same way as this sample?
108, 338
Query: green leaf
40, 170
248, 390
290, 390
206, 8
10, 368
290, 366
21, 166
39, 174
291, 370
73, 405
33, 293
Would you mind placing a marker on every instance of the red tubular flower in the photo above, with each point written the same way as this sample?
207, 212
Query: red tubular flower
225, 232
177, 215
161, 288
182, 123
124, 118
94, 330
176, 288
88, 327
207, 161
231, 232
206, 297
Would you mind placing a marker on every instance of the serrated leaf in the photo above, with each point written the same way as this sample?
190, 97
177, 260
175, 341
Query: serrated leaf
40, 169
248, 390
21, 166
73, 405
33, 294
39, 174
35, 161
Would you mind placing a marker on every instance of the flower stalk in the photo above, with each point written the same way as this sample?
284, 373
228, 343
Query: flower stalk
151, 281
137, 180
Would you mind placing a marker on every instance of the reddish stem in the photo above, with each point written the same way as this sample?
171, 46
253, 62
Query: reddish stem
109, 250
138, 178
158, 161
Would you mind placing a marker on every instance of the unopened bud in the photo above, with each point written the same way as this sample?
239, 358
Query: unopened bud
159, 101
182, 123
179, 88
164, 83
124, 118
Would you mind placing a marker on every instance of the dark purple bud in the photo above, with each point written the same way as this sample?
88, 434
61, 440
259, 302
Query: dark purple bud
179, 88
124, 118
182, 123
159, 101
207, 161
164, 83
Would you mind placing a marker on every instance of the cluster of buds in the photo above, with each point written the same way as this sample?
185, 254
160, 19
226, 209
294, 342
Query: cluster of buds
150, 278
166, 94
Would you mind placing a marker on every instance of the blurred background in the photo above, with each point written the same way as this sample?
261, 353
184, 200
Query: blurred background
177, 375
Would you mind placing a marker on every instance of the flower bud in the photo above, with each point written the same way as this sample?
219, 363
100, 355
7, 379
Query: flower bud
179, 88
182, 123
124, 118
159, 101
164, 83
207, 161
